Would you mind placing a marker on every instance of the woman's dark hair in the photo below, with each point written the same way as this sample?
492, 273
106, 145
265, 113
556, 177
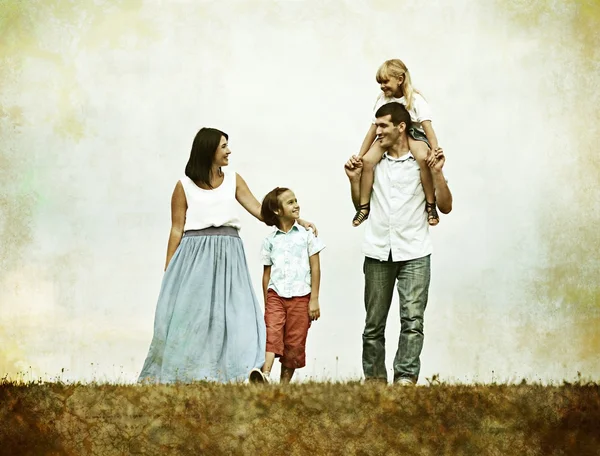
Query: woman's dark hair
203, 152
271, 204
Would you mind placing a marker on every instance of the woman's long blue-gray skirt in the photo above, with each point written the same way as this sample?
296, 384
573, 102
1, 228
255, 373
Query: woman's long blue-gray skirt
208, 323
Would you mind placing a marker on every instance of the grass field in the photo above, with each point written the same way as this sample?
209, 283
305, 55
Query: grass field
299, 419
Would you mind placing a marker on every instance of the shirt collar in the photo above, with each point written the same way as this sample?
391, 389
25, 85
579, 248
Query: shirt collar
295, 225
405, 157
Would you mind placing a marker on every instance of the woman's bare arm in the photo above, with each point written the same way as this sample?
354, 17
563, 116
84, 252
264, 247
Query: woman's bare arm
178, 210
245, 197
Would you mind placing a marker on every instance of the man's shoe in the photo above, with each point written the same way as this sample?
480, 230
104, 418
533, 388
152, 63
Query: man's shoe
404, 381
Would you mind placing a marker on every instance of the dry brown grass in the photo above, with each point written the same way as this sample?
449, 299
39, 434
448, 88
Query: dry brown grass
300, 419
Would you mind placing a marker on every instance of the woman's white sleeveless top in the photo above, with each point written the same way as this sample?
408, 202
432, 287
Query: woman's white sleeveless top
216, 207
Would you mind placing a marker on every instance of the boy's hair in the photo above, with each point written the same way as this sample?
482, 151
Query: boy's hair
204, 149
270, 204
397, 111
396, 68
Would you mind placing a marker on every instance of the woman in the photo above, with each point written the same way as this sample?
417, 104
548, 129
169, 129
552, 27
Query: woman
208, 323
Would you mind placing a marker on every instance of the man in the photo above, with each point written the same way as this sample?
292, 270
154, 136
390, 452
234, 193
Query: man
397, 246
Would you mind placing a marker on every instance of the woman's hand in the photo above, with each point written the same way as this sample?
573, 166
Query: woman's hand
308, 225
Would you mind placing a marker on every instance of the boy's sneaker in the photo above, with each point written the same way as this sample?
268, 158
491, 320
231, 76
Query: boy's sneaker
404, 381
256, 376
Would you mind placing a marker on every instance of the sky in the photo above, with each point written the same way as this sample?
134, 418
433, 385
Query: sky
100, 102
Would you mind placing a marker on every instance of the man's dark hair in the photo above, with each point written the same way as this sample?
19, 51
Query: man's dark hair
204, 149
397, 111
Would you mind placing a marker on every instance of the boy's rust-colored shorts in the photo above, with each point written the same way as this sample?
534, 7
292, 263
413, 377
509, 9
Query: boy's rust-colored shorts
287, 324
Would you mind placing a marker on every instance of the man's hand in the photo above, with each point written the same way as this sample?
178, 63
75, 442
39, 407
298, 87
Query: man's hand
430, 159
440, 159
308, 225
353, 167
443, 195
314, 311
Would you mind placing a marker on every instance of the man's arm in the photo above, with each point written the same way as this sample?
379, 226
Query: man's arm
353, 168
443, 195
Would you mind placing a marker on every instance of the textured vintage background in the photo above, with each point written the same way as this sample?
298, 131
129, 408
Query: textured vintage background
100, 100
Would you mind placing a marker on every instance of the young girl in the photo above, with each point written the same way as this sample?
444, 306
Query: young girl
394, 79
291, 281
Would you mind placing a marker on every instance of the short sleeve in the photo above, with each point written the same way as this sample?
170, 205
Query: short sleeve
315, 245
421, 108
265, 252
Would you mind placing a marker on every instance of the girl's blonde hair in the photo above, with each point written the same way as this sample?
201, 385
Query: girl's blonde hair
396, 68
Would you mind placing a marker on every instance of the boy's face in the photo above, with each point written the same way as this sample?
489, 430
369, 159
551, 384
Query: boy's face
392, 87
288, 206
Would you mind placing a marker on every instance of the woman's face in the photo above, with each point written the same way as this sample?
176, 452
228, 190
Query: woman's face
222, 154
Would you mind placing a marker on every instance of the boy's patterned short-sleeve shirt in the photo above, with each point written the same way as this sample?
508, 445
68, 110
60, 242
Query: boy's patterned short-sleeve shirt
288, 255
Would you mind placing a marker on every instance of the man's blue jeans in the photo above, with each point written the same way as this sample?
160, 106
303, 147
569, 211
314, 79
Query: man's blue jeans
413, 287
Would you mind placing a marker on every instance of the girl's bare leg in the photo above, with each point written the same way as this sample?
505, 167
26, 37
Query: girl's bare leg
370, 159
420, 150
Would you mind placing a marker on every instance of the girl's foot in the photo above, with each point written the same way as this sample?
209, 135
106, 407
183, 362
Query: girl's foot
432, 216
361, 215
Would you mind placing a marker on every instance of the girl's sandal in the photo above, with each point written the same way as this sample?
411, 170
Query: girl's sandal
361, 215
432, 216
